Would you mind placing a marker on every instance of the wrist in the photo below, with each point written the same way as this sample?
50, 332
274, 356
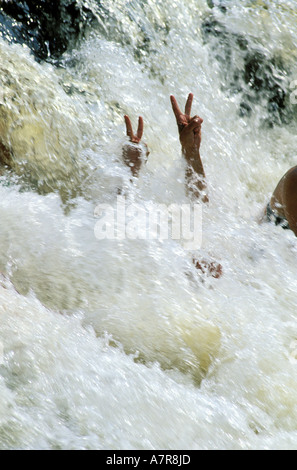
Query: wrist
191, 154
193, 159
192, 151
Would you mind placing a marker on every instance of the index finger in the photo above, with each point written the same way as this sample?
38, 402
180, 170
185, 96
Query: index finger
129, 127
175, 108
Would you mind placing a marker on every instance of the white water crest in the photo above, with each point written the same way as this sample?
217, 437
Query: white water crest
121, 344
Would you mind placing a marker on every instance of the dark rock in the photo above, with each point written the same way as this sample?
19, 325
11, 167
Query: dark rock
48, 28
250, 70
245, 109
221, 4
5, 155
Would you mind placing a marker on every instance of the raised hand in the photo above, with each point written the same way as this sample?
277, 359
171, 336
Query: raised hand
189, 128
134, 152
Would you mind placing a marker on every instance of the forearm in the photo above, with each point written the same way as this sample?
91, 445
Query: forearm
193, 159
195, 174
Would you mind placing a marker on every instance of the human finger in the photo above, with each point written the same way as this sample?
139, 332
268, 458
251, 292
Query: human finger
129, 127
140, 128
189, 103
175, 107
195, 123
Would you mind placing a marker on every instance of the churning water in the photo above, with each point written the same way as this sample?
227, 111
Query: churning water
119, 344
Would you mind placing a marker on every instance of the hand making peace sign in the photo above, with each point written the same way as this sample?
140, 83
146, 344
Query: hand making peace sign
189, 128
134, 154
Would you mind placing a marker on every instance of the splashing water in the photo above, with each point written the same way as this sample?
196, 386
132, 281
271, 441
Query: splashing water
118, 343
